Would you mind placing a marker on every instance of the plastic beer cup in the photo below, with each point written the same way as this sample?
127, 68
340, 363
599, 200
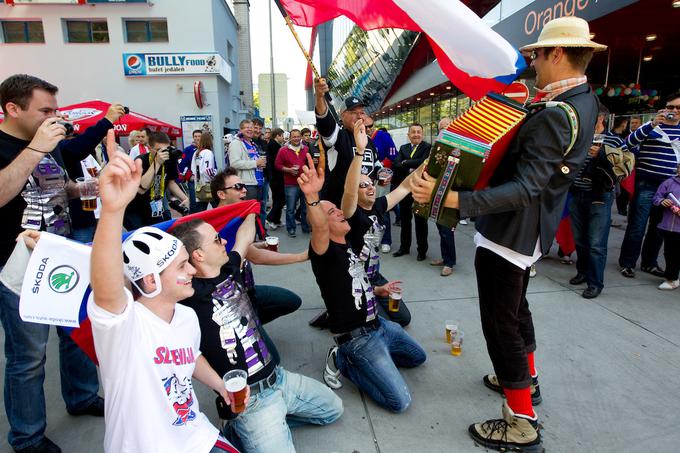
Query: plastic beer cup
457, 344
272, 243
88, 193
236, 383
394, 301
451, 329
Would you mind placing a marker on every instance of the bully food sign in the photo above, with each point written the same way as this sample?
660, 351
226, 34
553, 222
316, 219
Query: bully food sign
167, 64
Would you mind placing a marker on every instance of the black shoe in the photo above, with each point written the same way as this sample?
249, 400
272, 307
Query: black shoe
399, 253
580, 278
491, 382
320, 321
591, 292
96, 409
44, 446
397, 223
421, 256
654, 270
627, 272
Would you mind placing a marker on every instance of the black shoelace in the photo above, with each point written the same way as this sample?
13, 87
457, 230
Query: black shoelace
497, 425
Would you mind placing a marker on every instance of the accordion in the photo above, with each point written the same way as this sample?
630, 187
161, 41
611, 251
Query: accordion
467, 153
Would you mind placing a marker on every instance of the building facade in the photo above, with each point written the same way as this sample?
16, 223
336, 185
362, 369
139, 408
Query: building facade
264, 83
163, 59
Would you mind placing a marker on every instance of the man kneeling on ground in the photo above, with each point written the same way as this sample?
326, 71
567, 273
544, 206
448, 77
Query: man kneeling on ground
233, 338
369, 348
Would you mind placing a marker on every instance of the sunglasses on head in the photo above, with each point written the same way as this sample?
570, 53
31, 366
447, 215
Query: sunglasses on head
237, 186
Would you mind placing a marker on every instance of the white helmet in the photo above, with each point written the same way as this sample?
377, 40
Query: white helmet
148, 251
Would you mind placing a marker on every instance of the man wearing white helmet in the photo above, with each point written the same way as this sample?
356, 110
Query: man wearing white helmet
148, 346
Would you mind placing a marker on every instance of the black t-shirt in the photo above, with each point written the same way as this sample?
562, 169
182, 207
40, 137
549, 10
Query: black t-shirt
366, 234
344, 286
231, 334
142, 202
12, 212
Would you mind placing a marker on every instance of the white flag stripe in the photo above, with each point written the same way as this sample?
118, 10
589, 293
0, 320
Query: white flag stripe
470, 43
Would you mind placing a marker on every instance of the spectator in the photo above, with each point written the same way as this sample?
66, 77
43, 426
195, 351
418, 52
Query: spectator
247, 159
203, 168
29, 136
410, 156
667, 196
160, 174
184, 168
276, 179
290, 160
311, 144
142, 139
635, 123
132, 139
152, 405
267, 135
656, 146
447, 242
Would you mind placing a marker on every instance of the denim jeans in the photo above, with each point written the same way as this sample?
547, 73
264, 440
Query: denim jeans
371, 361
190, 188
25, 345
447, 244
264, 427
293, 194
263, 203
84, 235
272, 302
638, 217
590, 224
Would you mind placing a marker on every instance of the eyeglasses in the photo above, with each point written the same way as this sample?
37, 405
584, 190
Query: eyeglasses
216, 240
237, 186
369, 126
364, 184
673, 107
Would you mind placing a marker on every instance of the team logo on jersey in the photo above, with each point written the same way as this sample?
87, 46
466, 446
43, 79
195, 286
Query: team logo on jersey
181, 398
63, 279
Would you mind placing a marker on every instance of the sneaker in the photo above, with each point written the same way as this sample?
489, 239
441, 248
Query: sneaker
331, 374
491, 382
627, 272
463, 222
270, 225
566, 260
670, 285
446, 271
510, 433
654, 270
291, 233
44, 446
532, 271
386, 248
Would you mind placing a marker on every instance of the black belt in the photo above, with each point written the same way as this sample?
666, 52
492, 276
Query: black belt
263, 384
355, 333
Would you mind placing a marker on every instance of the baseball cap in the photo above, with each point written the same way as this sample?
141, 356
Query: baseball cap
352, 102
149, 251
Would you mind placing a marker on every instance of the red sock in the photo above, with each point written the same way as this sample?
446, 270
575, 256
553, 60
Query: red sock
519, 401
532, 366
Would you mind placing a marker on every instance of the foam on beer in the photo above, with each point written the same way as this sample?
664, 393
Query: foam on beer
235, 384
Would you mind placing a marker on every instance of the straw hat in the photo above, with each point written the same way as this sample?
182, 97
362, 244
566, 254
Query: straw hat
565, 32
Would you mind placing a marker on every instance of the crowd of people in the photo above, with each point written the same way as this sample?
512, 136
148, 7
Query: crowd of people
172, 307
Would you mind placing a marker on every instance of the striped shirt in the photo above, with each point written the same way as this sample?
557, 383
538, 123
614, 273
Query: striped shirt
655, 157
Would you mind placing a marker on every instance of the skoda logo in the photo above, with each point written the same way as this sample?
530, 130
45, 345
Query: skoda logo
133, 62
63, 279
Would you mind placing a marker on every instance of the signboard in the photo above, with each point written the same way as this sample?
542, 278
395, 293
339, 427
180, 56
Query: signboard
117, 1
172, 64
45, 2
525, 25
192, 122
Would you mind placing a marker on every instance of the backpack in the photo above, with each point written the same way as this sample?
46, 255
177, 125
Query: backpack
622, 160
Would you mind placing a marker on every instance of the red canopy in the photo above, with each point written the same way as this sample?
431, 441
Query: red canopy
88, 113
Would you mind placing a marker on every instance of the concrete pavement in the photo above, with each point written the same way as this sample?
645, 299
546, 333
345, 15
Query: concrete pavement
609, 367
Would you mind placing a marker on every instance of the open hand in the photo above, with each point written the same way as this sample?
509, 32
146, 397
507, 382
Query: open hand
311, 180
666, 203
119, 180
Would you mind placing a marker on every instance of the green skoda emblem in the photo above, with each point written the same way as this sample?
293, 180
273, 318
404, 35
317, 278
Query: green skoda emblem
63, 279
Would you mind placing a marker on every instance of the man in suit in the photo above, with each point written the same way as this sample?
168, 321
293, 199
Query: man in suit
517, 218
410, 156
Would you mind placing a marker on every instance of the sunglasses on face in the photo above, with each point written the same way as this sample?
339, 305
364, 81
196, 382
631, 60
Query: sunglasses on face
673, 107
237, 186
365, 184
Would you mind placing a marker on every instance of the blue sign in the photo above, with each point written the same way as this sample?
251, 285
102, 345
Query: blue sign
117, 1
171, 64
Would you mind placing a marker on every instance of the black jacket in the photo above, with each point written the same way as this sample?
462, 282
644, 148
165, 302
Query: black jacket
528, 191
270, 172
403, 164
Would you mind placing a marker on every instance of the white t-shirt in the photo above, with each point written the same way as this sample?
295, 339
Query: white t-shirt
146, 366
203, 164
516, 258
137, 150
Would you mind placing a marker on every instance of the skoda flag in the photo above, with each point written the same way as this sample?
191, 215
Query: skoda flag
53, 279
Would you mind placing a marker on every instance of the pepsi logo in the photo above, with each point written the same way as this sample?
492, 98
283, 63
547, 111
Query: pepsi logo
134, 62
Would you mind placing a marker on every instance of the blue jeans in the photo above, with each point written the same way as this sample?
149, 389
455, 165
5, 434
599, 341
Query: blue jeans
292, 401
447, 244
371, 361
293, 194
263, 202
638, 217
590, 224
25, 345
84, 235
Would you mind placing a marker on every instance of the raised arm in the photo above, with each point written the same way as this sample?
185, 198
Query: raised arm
398, 194
245, 236
351, 195
118, 185
257, 255
311, 182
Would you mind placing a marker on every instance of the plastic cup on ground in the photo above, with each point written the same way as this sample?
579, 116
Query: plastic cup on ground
88, 192
457, 344
451, 329
236, 383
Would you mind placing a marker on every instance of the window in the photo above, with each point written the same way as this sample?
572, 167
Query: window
22, 31
146, 30
230, 52
95, 31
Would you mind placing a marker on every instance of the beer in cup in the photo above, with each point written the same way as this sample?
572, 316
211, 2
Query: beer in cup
457, 344
272, 243
88, 192
236, 383
93, 171
384, 176
394, 301
451, 330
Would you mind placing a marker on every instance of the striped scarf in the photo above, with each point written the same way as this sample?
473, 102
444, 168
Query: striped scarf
552, 90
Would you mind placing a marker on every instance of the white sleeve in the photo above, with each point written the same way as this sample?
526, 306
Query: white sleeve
134, 152
208, 165
112, 332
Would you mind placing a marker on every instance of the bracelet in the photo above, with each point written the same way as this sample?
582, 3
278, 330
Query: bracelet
38, 151
313, 203
358, 154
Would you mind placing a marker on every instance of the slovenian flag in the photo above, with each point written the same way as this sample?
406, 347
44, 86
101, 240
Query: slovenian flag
226, 220
474, 57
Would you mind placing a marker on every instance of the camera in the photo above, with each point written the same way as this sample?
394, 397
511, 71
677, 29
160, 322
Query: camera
68, 126
670, 116
177, 206
175, 154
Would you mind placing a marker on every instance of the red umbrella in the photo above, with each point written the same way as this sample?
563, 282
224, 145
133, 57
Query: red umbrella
86, 114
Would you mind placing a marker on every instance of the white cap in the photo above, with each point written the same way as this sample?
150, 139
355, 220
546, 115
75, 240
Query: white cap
148, 251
